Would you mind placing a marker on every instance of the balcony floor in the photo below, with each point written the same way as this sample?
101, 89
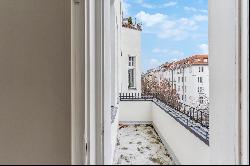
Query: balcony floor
140, 145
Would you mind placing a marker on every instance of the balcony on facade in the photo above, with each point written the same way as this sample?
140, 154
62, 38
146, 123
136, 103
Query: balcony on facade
182, 130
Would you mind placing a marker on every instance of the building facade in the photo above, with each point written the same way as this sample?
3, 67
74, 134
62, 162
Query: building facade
189, 77
130, 58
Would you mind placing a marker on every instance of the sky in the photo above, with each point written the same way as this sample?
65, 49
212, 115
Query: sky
172, 29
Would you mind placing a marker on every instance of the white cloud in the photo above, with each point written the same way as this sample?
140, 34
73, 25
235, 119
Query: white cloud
168, 4
150, 20
203, 11
167, 52
153, 6
145, 5
148, 6
200, 18
203, 48
164, 27
193, 9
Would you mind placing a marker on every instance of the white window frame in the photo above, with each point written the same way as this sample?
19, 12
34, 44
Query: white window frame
133, 79
133, 62
132, 66
227, 27
226, 117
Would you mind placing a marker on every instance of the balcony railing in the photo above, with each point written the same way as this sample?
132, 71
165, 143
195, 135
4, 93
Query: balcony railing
193, 119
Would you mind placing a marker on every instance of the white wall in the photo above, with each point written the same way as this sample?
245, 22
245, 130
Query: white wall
131, 46
187, 148
245, 81
223, 82
115, 22
35, 100
192, 84
135, 111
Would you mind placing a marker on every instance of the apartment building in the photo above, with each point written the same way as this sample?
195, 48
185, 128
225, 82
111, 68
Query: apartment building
189, 77
130, 58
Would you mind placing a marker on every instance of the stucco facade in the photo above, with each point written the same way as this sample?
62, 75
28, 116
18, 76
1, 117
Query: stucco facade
131, 47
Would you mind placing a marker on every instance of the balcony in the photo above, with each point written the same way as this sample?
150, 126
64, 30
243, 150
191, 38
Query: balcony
182, 132
140, 145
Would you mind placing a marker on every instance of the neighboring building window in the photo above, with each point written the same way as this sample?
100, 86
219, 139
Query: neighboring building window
131, 78
179, 79
201, 100
131, 62
131, 72
201, 69
200, 89
200, 80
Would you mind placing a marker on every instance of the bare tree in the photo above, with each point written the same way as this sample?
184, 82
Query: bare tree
162, 89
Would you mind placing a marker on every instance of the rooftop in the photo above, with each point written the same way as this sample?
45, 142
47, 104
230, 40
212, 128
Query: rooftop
200, 59
129, 23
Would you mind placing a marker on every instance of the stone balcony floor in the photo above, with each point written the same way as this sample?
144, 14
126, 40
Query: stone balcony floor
140, 145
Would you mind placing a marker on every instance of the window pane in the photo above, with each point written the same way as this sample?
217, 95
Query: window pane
131, 78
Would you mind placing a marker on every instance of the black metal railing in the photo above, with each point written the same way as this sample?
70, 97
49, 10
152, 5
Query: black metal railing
136, 97
195, 120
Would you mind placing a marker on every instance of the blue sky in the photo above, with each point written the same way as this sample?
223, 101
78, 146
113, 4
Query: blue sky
172, 29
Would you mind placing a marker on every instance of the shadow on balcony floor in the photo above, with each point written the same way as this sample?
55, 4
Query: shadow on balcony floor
140, 145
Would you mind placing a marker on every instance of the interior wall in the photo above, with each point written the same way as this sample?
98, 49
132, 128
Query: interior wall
78, 82
35, 82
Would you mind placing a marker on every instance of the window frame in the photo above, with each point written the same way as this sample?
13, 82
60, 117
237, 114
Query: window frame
222, 43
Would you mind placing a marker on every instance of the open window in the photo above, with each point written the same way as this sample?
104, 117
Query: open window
223, 76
